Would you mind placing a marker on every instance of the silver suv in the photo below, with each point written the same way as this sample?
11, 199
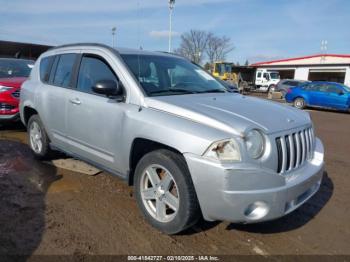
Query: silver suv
167, 127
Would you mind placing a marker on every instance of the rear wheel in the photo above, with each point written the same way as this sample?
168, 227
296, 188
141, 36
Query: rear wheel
299, 103
165, 193
271, 88
38, 139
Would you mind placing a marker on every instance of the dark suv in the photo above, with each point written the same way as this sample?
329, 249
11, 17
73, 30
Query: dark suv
285, 84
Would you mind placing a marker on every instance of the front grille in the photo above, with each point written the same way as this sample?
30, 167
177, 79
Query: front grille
294, 149
16, 94
5, 107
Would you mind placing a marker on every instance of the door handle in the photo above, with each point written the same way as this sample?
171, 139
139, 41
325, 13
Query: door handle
75, 101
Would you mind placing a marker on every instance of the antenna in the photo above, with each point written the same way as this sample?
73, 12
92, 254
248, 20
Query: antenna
171, 7
114, 29
139, 26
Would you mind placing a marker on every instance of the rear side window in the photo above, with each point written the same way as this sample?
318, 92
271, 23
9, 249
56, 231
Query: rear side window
93, 69
45, 67
291, 83
64, 70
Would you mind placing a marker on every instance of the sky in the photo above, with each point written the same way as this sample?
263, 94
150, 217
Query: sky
260, 30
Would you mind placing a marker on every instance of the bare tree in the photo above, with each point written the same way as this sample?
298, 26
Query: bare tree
218, 48
193, 45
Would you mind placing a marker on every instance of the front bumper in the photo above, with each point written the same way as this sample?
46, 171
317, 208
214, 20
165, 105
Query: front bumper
5, 118
246, 194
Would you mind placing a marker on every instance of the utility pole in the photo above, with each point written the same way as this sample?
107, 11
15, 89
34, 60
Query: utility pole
171, 7
114, 29
324, 47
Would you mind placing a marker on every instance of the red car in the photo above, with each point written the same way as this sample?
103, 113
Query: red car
13, 72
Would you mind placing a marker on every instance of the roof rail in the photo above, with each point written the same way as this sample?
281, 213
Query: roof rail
82, 44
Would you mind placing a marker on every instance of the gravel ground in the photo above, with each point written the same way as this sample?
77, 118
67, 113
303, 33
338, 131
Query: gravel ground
45, 210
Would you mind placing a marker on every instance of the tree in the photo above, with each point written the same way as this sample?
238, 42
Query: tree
218, 48
207, 66
197, 44
193, 45
246, 63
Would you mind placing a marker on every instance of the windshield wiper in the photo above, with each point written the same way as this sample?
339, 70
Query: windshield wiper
184, 91
214, 91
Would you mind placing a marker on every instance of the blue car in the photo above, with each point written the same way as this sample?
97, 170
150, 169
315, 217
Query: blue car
320, 94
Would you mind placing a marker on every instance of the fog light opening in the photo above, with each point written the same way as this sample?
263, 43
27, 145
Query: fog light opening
257, 210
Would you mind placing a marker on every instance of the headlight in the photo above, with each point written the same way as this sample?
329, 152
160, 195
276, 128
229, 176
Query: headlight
225, 150
5, 88
255, 143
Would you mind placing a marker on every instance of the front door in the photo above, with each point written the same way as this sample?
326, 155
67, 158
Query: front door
337, 97
95, 121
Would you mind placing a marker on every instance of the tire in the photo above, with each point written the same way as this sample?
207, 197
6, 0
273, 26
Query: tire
38, 140
166, 165
299, 103
270, 88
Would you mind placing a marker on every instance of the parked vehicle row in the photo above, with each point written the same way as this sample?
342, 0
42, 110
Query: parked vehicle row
170, 129
13, 72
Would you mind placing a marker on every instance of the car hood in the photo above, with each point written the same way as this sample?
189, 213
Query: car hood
13, 81
232, 113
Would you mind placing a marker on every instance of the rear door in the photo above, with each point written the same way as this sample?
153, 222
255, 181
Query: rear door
319, 96
94, 122
53, 97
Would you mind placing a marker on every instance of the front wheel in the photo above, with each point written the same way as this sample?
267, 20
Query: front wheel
165, 193
299, 103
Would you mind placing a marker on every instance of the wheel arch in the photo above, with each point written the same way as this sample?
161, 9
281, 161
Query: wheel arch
28, 111
303, 97
140, 147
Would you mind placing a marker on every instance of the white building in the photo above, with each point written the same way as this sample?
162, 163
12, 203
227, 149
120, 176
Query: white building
324, 67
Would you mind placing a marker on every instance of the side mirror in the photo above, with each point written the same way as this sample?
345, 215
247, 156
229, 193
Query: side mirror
108, 88
340, 92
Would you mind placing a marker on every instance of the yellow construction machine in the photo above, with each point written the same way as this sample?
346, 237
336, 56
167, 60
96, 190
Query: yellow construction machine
223, 70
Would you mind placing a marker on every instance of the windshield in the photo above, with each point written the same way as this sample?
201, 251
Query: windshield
274, 75
162, 75
223, 68
15, 68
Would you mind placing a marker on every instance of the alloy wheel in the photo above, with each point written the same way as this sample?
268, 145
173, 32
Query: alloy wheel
35, 137
159, 193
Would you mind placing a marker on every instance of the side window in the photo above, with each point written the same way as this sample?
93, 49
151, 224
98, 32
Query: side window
93, 69
266, 75
259, 75
323, 87
312, 87
293, 83
45, 67
333, 89
64, 70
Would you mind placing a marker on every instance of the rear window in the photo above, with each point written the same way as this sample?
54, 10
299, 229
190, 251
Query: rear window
45, 67
292, 83
64, 70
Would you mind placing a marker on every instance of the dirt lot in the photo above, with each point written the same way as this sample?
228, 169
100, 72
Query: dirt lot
44, 210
